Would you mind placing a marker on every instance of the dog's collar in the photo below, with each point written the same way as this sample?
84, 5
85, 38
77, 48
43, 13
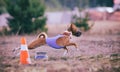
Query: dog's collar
52, 42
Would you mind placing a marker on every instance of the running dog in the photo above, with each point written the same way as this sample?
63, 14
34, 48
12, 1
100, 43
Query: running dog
60, 41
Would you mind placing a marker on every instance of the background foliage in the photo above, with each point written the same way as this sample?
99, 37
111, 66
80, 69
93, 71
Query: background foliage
81, 22
2, 6
27, 15
70, 4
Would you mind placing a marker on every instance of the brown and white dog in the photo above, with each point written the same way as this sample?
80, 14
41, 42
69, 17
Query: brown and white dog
60, 41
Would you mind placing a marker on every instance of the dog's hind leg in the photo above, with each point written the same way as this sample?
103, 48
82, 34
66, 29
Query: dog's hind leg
16, 55
16, 52
16, 49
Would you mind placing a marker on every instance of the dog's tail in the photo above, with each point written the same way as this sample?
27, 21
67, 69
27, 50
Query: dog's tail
42, 35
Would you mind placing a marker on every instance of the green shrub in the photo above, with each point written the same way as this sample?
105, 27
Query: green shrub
81, 22
23, 13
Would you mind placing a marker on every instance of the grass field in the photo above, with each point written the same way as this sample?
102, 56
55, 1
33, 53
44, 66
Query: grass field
99, 51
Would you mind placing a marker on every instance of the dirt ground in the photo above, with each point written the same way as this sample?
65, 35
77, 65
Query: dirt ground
98, 52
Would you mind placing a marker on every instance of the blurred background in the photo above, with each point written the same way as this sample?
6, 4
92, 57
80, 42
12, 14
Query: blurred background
99, 44
25, 17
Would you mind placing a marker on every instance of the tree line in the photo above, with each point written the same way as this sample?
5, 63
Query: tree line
28, 15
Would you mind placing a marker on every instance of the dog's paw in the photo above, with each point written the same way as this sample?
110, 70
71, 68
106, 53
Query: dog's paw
13, 50
65, 52
13, 57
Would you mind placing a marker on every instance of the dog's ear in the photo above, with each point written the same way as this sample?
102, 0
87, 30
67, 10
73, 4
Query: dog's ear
72, 28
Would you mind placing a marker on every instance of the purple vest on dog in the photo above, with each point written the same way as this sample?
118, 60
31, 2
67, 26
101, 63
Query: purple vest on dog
52, 42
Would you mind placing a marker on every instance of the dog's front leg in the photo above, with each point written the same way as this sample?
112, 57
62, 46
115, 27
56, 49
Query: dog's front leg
69, 44
65, 52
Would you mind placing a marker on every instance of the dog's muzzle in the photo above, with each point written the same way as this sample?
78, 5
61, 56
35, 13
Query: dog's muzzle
78, 33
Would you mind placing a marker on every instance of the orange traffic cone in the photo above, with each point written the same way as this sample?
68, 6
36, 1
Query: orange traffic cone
24, 54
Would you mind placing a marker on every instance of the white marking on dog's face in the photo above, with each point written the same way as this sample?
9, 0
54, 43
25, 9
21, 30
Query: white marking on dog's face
67, 33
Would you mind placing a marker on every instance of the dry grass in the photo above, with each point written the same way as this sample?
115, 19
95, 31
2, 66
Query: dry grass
97, 53
105, 27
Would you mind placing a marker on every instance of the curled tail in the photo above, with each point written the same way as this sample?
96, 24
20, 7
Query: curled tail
42, 35
40, 40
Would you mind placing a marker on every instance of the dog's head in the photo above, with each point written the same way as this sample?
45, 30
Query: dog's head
75, 31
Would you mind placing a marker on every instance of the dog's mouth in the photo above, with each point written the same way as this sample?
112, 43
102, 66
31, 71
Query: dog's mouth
77, 34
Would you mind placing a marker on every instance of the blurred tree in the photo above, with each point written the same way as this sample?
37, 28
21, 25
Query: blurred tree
81, 22
2, 6
70, 4
94, 3
28, 15
52, 5
108, 3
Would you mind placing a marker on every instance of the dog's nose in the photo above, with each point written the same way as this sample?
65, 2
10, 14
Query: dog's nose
78, 33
